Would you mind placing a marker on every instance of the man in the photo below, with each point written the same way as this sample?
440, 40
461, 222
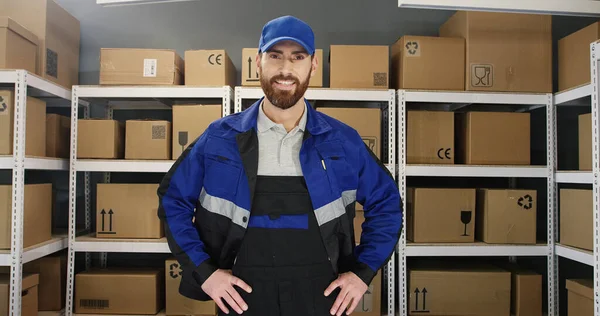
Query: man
259, 209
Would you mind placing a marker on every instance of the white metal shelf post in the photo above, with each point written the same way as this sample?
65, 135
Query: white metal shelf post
595, 57
18, 194
85, 244
390, 115
552, 213
529, 102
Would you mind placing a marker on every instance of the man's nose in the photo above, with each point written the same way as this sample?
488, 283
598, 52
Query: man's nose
287, 66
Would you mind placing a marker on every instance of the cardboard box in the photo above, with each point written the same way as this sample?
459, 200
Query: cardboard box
52, 272
189, 122
209, 68
37, 215
136, 66
370, 303
358, 67
506, 216
35, 125
359, 219
148, 139
127, 211
58, 33
251, 78
428, 63
574, 57
526, 293
58, 136
576, 218
18, 46
440, 215
100, 139
366, 121
177, 304
580, 297
585, 142
119, 291
453, 291
493, 138
507, 52
29, 294
430, 137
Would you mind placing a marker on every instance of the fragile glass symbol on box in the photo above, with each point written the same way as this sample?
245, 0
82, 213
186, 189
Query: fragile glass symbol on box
183, 140
371, 142
465, 218
482, 75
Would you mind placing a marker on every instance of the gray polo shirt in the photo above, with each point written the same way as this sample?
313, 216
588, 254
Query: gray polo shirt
278, 150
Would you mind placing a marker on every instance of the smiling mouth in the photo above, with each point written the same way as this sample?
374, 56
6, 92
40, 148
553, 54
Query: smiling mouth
285, 82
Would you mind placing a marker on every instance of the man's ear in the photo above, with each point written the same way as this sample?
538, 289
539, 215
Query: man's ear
314, 63
257, 60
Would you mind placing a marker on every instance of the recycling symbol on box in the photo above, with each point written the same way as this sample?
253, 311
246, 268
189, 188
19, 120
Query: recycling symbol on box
412, 47
174, 270
526, 202
3, 105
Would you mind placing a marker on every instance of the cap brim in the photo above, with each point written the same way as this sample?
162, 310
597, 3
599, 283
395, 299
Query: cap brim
274, 41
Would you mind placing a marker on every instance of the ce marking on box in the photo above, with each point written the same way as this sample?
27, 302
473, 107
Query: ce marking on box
215, 59
444, 153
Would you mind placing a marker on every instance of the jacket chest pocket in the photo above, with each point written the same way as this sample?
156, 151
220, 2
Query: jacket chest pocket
222, 172
335, 165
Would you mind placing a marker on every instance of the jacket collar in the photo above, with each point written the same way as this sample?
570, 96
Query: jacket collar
246, 120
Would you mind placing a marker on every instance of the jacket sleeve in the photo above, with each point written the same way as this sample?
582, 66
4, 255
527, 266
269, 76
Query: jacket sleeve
178, 195
379, 194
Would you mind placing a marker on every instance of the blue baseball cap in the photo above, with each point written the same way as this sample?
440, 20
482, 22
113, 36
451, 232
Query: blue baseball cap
287, 28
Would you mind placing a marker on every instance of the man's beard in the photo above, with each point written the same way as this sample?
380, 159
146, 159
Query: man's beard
281, 98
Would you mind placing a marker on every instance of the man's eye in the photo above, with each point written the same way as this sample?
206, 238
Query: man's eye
299, 57
274, 56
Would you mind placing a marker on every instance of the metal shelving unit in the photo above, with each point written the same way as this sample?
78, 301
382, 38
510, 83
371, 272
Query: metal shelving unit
595, 84
452, 101
122, 98
575, 254
386, 97
27, 84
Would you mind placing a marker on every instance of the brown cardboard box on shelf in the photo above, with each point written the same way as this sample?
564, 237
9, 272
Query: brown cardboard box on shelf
506, 52
37, 214
250, 75
493, 138
177, 304
119, 291
428, 63
481, 291
526, 293
585, 142
53, 275
100, 139
506, 216
576, 218
148, 139
137, 66
359, 66
58, 136
18, 46
209, 68
189, 122
251, 78
430, 137
359, 219
127, 211
580, 297
441, 215
58, 33
35, 125
366, 121
29, 294
370, 303
574, 57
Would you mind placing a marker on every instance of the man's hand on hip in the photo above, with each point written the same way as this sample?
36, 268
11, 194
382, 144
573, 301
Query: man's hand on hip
352, 288
219, 286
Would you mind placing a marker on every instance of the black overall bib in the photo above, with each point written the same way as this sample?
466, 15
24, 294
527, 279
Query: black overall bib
282, 256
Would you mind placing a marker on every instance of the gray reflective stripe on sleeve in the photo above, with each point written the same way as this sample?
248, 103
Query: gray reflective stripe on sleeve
224, 207
349, 197
330, 211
